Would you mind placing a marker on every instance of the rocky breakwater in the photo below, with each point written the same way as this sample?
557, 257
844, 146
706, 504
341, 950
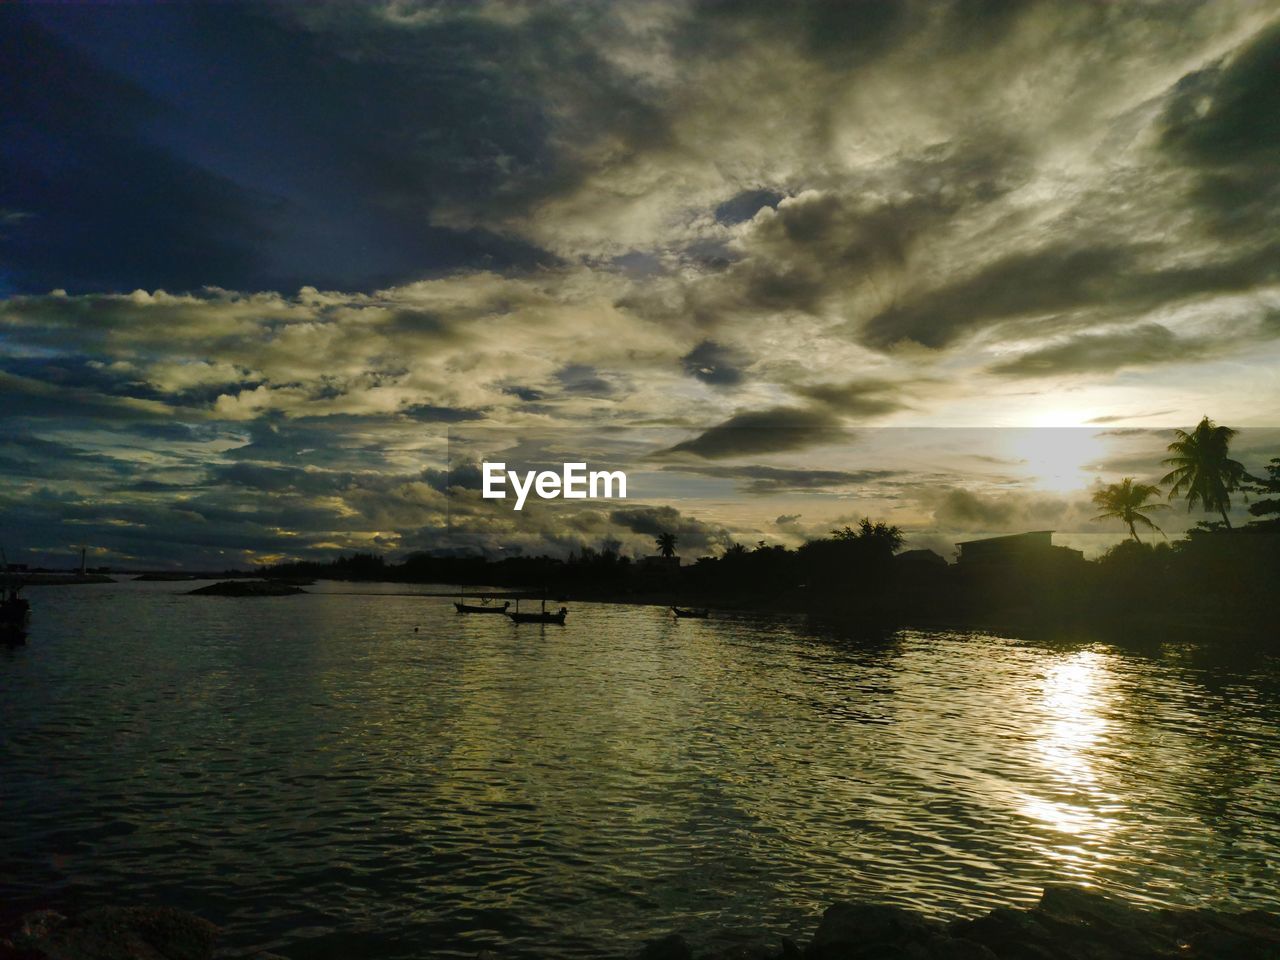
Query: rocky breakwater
247, 588
1068, 923
114, 933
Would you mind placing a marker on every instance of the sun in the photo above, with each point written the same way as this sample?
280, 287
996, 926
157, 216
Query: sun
1057, 459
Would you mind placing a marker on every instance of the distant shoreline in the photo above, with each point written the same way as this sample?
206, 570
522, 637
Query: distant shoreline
1137, 627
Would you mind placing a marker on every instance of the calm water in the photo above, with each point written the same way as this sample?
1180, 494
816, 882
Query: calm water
324, 782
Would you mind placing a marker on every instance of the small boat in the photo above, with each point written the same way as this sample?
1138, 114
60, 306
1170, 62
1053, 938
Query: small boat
15, 614
484, 606
690, 613
480, 608
541, 617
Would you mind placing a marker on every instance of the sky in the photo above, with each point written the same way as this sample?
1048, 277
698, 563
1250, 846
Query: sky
276, 279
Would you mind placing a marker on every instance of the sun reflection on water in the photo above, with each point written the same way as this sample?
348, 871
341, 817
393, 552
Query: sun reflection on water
1074, 694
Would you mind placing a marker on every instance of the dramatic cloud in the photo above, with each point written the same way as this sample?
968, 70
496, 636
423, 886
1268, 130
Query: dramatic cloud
1106, 352
693, 535
764, 431
715, 364
862, 398
762, 480
287, 306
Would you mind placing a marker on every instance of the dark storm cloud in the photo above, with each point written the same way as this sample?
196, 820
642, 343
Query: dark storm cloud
583, 379
26, 455
1107, 352
776, 429
24, 397
200, 531
820, 243
100, 376
97, 146
77, 164
1222, 121
864, 398
764, 480
692, 534
838, 34
463, 476
176, 431
79, 372
154, 486
1061, 279
1115, 418
527, 394
1225, 114
309, 482
431, 413
1055, 278
715, 363
961, 509
335, 442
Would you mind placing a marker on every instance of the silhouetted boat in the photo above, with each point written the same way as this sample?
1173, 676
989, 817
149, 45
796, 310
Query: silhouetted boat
540, 617
484, 606
480, 608
688, 613
15, 613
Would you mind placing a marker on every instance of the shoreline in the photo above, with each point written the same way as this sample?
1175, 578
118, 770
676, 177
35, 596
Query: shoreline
1027, 622
1067, 923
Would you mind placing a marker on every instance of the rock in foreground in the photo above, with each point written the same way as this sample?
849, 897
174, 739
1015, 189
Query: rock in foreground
247, 588
1068, 923
112, 933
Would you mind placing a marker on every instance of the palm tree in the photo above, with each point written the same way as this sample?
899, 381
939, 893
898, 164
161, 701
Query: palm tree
1125, 501
666, 544
1202, 471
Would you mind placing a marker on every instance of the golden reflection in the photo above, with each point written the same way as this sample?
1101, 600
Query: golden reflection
1073, 696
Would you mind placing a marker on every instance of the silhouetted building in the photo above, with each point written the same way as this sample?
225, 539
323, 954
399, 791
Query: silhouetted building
1034, 546
920, 560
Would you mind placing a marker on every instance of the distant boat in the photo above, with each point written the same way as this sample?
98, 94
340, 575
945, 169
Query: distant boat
15, 613
480, 608
689, 613
540, 617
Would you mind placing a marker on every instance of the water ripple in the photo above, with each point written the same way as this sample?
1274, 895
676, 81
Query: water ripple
322, 781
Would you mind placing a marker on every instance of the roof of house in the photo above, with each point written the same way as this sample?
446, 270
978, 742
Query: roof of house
1006, 537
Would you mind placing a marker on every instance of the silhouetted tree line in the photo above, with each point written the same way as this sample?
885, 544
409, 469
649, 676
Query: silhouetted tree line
1216, 580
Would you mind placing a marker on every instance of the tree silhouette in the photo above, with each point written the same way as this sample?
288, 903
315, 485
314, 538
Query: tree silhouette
1268, 487
1202, 471
666, 544
1125, 501
885, 536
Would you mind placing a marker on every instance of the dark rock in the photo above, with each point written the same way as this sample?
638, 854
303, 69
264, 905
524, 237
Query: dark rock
856, 931
247, 588
672, 947
744, 951
1074, 924
114, 933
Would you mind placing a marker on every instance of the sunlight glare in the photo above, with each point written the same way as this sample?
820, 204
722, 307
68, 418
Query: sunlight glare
1058, 459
